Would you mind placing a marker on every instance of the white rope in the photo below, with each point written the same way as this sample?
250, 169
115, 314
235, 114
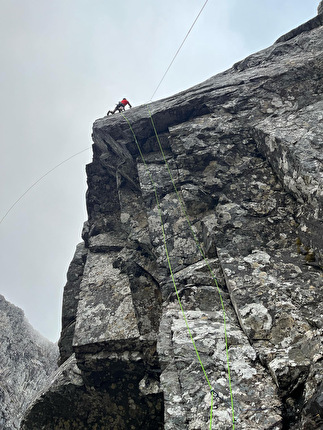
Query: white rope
38, 180
177, 52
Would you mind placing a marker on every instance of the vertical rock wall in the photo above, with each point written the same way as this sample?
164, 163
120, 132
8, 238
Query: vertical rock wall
244, 151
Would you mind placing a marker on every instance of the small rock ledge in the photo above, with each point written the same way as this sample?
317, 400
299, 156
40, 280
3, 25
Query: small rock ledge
244, 149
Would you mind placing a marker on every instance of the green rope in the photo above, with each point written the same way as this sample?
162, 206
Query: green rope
204, 258
170, 266
212, 394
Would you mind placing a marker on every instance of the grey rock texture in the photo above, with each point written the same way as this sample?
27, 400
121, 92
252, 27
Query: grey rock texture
27, 360
320, 8
242, 187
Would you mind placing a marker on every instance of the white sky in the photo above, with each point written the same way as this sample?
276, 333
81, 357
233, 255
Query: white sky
64, 63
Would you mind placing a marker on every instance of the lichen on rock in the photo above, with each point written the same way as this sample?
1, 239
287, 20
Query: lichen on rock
244, 151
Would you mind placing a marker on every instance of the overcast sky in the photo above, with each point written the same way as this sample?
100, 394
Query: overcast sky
64, 63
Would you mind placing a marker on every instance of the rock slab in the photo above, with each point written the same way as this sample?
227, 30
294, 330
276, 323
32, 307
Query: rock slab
212, 197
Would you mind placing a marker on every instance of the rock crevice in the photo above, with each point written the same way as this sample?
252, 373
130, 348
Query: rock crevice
243, 150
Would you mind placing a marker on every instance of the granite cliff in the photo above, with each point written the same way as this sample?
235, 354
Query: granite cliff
27, 360
244, 151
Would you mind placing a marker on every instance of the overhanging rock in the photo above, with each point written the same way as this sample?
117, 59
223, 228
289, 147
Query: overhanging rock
244, 150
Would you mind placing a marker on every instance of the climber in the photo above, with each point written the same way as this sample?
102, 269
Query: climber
121, 106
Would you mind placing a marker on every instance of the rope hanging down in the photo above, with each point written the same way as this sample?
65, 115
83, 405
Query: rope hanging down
199, 247
213, 394
170, 268
177, 52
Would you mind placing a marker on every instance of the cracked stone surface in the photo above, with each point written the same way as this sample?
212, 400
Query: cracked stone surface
28, 361
239, 206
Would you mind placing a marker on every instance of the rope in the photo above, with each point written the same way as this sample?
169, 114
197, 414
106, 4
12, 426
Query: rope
170, 266
42, 177
213, 394
177, 52
194, 236
204, 258
38, 180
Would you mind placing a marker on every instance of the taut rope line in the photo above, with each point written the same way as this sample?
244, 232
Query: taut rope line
177, 52
38, 180
199, 247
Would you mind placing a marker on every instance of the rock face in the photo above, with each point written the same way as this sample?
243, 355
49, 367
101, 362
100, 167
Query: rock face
228, 175
320, 8
27, 360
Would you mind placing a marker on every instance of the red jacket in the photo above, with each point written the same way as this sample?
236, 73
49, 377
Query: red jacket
124, 102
